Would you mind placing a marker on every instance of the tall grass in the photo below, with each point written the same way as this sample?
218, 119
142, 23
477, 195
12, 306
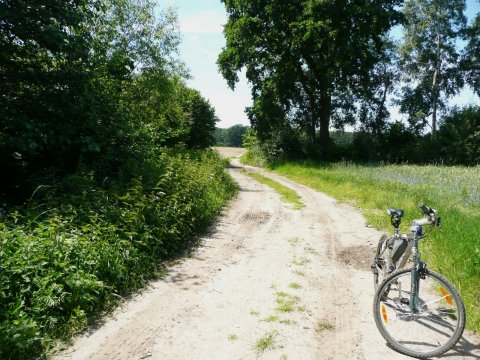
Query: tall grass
453, 249
82, 244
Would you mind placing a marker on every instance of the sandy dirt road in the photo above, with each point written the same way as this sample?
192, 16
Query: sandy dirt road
294, 281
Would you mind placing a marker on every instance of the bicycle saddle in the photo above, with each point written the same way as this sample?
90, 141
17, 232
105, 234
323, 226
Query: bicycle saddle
395, 212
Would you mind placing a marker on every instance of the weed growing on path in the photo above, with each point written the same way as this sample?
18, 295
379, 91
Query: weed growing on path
300, 262
268, 342
323, 325
299, 273
272, 318
294, 241
295, 285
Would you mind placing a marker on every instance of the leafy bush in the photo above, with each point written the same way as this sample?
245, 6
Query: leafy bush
83, 243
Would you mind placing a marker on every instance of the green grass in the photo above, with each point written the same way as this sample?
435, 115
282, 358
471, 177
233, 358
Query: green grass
271, 318
286, 302
300, 262
288, 195
268, 342
295, 285
232, 337
254, 313
323, 325
299, 273
453, 249
294, 241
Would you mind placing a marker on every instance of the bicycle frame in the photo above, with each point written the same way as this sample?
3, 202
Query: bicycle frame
415, 282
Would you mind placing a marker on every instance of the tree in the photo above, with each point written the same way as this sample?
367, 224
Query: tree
471, 56
235, 135
200, 120
298, 55
459, 136
89, 83
373, 114
430, 57
138, 78
44, 72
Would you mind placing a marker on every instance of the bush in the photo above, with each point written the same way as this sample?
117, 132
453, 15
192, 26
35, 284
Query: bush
82, 243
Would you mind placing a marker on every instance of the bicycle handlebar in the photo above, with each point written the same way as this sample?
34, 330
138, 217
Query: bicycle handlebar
427, 210
430, 220
424, 221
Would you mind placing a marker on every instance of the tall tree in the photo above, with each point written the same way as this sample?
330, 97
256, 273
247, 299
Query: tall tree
299, 54
44, 76
471, 58
430, 57
374, 96
200, 120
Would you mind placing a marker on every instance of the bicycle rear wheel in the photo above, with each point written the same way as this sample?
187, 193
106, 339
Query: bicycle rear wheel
433, 329
381, 265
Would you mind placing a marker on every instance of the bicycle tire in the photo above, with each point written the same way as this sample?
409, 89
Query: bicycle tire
431, 331
380, 263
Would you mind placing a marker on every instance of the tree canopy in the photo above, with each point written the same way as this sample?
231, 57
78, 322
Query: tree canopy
303, 57
430, 59
319, 65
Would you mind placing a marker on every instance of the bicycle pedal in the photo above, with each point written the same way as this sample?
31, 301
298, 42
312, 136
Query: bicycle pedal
405, 301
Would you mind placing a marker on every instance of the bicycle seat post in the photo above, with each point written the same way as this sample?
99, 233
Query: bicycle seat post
395, 221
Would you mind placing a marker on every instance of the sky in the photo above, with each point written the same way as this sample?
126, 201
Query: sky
201, 25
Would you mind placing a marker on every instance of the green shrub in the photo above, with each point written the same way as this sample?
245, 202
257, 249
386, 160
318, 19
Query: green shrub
83, 243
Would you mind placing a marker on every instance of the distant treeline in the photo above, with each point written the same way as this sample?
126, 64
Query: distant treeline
233, 136
456, 142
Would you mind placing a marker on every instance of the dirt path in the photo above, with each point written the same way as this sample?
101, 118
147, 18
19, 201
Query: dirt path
270, 282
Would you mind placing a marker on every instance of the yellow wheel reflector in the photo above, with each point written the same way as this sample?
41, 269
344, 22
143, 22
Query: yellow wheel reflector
384, 313
447, 296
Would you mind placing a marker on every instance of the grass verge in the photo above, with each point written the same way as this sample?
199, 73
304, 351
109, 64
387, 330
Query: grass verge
288, 195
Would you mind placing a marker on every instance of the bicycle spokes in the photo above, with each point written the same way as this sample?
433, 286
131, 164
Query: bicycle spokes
431, 324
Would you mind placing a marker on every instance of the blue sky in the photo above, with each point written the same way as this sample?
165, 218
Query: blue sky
201, 23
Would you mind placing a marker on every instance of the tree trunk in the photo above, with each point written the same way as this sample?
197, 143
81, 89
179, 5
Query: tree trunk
325, 105
436, 74
434, 116
311, 127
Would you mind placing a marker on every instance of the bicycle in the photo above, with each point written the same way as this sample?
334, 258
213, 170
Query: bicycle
417, 311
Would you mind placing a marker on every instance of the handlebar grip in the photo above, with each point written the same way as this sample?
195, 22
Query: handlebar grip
425, 209
422, 222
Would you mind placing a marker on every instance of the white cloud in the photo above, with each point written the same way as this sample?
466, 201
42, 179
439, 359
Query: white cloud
203, 22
